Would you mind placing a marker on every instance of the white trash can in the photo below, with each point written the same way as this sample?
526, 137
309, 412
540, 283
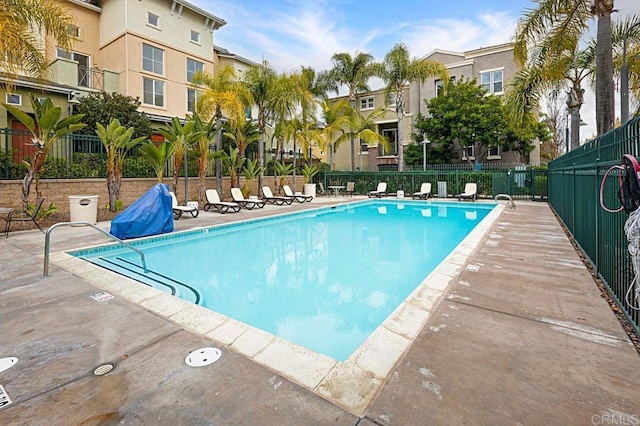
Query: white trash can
83, 208
400, 193
442, 189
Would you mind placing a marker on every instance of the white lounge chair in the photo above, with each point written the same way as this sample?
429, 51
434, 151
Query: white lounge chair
470, 192
301, 198
381, 191
424, 193
268, 196
178, 210
248, 204
213, 200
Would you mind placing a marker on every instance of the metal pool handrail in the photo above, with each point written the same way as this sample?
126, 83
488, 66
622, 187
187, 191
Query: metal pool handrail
82, 222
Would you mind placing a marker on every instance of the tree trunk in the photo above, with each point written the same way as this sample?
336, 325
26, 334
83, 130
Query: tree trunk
604, 67
112, 188
575, 99
26, 187
218, 163
202, 176
400, 135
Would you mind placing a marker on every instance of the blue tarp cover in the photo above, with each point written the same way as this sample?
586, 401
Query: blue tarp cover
151, 214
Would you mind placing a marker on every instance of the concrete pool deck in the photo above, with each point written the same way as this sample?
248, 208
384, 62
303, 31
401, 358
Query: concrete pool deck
521, 335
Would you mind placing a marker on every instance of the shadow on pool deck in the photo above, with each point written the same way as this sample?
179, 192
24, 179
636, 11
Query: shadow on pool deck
522, 336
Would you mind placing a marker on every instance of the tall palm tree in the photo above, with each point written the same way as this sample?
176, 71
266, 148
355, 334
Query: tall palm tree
208, 131
20, 46
548, 74
354, 72
181, 137
261, 83
224, 93
335, 115
398, 70
563, 22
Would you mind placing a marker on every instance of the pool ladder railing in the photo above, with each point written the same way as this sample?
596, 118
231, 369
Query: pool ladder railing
505, 197
47, 239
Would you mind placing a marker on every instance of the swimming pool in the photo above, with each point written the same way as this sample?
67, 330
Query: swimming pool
323, 279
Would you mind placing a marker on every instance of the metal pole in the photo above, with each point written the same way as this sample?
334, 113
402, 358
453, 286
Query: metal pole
624, 78
186, 179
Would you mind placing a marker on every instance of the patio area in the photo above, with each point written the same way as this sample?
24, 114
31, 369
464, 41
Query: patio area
521, 336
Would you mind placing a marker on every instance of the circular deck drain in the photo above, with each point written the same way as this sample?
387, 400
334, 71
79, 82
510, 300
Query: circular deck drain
103, 369
6, 363
203, 356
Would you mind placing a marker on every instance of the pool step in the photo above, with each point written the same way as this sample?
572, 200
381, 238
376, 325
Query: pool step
151, 278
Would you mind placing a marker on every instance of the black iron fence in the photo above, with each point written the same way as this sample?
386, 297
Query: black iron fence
520, 183
575, 181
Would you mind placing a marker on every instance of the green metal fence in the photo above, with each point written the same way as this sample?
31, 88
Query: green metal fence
520, 183
574, 194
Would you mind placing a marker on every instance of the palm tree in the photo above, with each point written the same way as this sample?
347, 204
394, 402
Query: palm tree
46, 129
363, 128
21, 47
202, 146
117, 141
224, 92
354, 73
260, 82
398, 70
303, 131
157, 156
233, 163
548, 74
242, 134
335, 115
181, 137
563, 22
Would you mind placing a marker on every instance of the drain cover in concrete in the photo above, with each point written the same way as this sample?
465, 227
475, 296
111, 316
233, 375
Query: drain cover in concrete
4, 397
6, 363
203, 356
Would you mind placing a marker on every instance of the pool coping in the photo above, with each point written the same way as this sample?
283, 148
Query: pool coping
352, 384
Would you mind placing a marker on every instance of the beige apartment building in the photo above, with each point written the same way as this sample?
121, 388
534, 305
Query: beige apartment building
491, 66
144, 49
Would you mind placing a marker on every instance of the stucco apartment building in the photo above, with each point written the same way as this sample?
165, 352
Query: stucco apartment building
146, 49
491, 66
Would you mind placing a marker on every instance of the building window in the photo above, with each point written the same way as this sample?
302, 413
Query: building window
468, 152
193, 67
494, 153
153, 92
152, 59
392, 137
195, 36
192, 99
366, 103
439, 87
13, 99
391, 99
492, 81
73, 31
153, 20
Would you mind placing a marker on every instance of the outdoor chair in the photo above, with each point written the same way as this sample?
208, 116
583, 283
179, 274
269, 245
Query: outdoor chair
350, 189
470, 192
248, 204
381, 191
23, 216
268, 197
213, 200
301, 198
424, 193
178, 210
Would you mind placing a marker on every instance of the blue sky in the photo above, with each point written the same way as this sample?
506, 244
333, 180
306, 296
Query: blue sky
289, 34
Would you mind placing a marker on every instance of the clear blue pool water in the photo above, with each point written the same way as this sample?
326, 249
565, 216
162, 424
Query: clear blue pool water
324, 279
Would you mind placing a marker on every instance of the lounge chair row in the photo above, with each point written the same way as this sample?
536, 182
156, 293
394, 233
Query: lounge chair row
470, 191
239, 201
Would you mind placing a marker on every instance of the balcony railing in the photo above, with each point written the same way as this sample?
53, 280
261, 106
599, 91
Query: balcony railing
92, 78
